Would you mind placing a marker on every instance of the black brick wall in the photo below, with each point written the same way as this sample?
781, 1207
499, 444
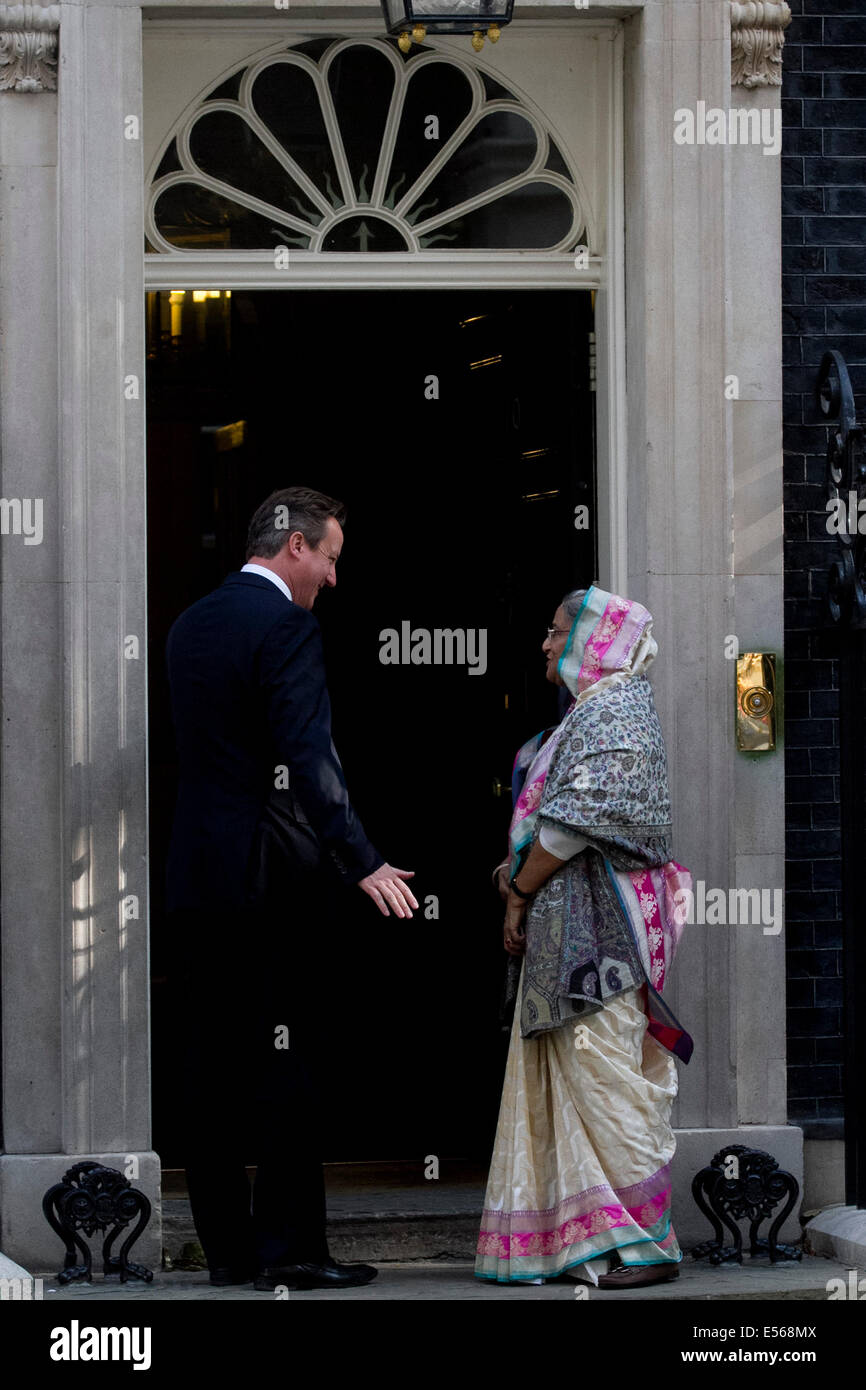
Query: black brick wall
824, 306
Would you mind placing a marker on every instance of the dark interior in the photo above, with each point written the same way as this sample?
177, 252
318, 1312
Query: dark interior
461, 515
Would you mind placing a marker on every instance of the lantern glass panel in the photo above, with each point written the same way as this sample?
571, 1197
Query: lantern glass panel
485, 11
395, 13
447, 16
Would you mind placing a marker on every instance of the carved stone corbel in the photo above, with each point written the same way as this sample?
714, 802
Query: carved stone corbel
757, 40
28, 47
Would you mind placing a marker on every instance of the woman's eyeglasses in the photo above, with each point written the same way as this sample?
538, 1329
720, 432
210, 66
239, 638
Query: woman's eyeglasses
552, 632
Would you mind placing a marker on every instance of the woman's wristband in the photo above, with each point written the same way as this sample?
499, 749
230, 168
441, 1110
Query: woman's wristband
512, 883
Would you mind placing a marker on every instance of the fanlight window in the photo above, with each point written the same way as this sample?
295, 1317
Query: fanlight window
344, 145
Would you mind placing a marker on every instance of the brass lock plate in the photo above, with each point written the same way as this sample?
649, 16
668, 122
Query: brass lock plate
756, 702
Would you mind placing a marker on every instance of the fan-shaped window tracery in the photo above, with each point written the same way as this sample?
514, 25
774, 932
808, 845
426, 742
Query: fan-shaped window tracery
345, 145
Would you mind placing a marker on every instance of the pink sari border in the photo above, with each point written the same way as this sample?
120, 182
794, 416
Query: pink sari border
577, 1218
576, 1231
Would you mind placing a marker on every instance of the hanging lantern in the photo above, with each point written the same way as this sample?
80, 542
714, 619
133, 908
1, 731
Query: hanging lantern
412, 20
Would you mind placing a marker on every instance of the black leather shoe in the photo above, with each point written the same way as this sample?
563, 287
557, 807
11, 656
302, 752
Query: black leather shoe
223, 1275
328, 1275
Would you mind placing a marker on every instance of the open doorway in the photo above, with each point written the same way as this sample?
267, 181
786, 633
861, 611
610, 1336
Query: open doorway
458, 428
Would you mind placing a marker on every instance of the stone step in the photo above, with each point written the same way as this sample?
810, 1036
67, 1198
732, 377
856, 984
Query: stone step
755, 1283
386, 1212
383, 1235
376, 1212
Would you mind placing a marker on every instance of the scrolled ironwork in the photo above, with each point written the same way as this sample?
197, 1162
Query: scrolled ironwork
89, 1199
751, 1191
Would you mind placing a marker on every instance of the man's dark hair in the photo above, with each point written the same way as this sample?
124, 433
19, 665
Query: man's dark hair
291, 509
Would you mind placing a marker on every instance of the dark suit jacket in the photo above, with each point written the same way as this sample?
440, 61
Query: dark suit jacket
248, 696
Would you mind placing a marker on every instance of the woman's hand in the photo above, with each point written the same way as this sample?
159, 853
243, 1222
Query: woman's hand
500, 879
535, 870
513, 930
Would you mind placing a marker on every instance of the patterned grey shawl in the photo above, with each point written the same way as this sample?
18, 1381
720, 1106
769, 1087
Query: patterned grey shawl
603, 774
608, 782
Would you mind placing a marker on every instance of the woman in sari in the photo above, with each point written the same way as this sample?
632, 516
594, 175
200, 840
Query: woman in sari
580, 1175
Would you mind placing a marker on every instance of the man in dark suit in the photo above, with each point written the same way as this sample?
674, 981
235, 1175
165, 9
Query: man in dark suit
264, 839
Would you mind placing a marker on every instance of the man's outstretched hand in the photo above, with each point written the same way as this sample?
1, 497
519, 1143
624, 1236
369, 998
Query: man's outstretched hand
386, 889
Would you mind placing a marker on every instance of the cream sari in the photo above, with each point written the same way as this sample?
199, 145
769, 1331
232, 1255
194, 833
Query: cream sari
581, 1162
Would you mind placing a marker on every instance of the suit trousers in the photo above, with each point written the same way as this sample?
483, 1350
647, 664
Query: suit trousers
249, 1092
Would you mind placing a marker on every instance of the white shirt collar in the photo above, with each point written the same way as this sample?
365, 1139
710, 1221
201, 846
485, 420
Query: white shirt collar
269, 574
